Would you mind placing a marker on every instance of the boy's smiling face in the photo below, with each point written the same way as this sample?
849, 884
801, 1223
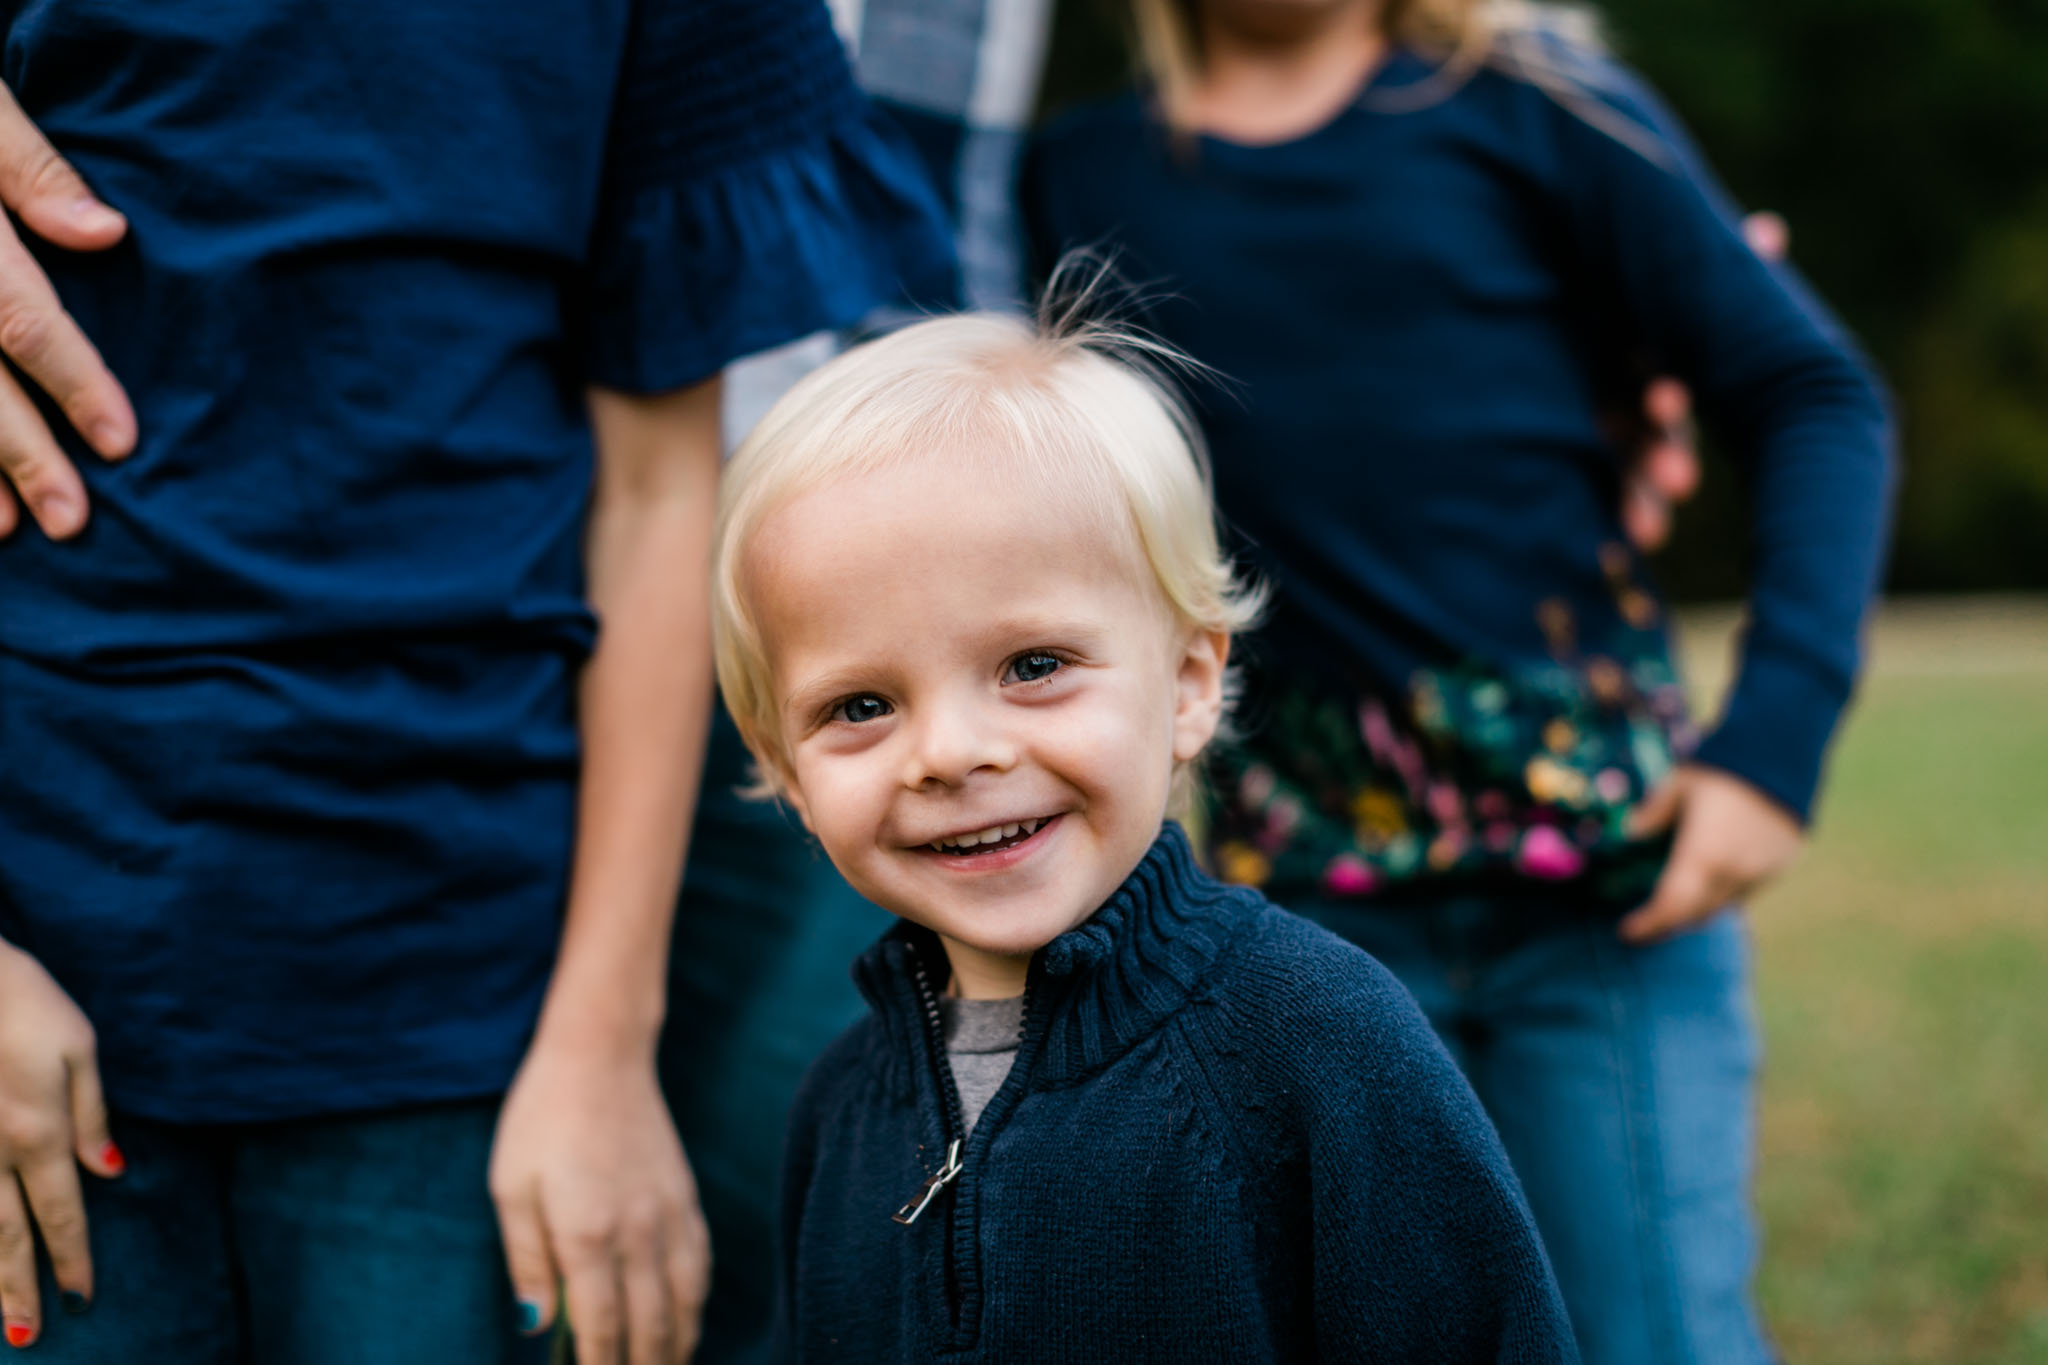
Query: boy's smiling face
982, 695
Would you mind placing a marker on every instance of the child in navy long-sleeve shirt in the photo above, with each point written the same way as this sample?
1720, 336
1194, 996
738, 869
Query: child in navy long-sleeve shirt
973, 620
1432, 243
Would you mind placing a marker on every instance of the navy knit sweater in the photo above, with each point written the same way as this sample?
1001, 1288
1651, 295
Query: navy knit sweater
1227, 1136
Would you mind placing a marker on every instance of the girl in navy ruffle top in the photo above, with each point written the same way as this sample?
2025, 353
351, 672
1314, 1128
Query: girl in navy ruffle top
1429, 243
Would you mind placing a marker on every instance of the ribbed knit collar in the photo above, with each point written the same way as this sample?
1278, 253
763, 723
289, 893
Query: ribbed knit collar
1102, 986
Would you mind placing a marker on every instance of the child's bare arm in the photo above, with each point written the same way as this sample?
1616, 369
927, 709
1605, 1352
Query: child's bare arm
592, 1186
51, 1117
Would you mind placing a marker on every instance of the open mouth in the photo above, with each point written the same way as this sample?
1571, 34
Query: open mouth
995, 839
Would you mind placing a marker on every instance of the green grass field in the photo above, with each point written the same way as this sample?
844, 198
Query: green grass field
1903, 980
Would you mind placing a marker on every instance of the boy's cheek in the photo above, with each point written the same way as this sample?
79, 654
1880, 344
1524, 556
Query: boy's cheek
840, 814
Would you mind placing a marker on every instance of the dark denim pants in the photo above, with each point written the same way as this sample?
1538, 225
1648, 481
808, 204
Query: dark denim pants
1622, 1080
372, 1240
367, 1240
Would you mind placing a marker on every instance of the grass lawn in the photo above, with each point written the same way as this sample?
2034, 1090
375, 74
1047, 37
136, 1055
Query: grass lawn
1903, 979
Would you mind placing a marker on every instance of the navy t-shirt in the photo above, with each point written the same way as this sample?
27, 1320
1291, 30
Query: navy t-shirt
287, 744
1423, 313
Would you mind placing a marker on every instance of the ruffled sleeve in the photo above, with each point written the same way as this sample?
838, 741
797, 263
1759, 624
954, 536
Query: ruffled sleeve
751, 196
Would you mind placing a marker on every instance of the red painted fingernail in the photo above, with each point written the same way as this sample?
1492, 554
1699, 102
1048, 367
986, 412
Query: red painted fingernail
111, 1158
20, 1334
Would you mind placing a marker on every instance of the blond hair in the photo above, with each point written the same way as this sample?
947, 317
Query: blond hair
1557, 48
1086, 403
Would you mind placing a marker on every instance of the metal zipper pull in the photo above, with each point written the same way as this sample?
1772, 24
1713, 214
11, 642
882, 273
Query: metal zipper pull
933, 1183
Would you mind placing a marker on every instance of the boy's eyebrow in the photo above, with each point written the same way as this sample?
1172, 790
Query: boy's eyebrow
1023, 632
827, 686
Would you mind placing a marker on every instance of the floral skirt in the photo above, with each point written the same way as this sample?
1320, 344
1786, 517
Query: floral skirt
1471, 771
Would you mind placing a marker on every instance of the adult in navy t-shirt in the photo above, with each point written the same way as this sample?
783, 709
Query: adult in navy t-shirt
290, 731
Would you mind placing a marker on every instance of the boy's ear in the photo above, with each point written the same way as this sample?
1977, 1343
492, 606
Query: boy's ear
787, 791
774, 780
795, 799
1198, 708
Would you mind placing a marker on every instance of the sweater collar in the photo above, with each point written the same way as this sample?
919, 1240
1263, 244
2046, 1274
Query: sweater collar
1102, 986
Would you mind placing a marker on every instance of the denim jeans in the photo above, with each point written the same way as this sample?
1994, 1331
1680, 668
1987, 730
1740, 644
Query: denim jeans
760, 980
366, 1240
1622, 1080
373, 1242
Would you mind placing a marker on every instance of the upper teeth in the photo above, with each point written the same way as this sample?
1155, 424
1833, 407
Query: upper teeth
994, 834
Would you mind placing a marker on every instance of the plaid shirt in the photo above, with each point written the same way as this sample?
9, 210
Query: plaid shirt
961, 77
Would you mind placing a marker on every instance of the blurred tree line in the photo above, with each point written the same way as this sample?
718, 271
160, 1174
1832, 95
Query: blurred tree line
1906, 141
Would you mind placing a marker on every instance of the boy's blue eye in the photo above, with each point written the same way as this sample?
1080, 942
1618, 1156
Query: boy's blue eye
862, 708
1032, 667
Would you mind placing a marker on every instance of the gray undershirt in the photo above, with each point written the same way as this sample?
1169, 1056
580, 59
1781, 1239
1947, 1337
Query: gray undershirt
981, 1042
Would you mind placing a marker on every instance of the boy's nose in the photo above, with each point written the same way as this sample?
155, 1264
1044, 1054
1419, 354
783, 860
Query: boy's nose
953, 743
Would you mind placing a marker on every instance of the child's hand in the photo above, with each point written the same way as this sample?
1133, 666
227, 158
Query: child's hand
51, 1116
1731, 839
594, 1193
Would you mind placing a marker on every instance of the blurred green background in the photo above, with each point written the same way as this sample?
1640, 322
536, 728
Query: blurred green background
1903, 979
1903, 968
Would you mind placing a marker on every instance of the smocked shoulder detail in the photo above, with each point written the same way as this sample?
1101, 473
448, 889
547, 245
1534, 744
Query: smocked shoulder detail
751, 196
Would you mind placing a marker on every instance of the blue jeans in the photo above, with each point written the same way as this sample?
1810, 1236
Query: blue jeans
1622, 1081
365, 1240
760, 980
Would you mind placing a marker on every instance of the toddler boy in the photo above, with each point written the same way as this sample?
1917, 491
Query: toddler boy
973, 620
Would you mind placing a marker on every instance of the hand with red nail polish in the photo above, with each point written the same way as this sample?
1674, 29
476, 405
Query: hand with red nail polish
52, 1120
52, 201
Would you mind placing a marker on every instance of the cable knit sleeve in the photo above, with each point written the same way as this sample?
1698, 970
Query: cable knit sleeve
1423, 1245
751, 195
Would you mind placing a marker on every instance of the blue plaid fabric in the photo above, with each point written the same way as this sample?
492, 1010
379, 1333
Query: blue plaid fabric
961, 77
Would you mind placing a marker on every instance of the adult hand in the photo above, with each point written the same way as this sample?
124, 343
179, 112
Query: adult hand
594, 1194
39, 336
1731, 840
1666, 468
51, 1120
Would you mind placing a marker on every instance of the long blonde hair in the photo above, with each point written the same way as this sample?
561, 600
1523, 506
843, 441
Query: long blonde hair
1559, 48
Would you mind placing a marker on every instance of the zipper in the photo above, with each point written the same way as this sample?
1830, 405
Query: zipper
953, 1128
959, 1243
933, 1183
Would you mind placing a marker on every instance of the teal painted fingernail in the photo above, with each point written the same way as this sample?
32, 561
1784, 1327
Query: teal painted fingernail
75, 1304
529, 1316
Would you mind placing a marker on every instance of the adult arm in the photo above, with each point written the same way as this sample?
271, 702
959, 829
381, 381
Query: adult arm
592, 1186
49, 198
748, 199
